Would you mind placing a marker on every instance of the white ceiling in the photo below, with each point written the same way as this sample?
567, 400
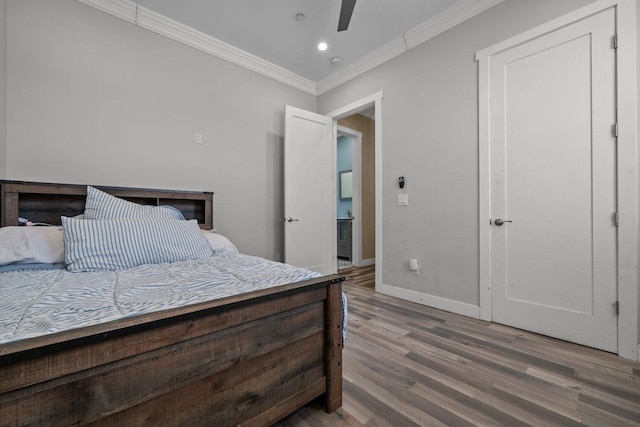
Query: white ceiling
268, 29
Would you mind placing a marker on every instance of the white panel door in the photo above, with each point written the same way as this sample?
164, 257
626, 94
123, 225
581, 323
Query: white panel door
553, 174
309, 191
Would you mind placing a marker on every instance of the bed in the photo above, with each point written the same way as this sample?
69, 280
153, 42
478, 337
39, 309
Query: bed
245, 359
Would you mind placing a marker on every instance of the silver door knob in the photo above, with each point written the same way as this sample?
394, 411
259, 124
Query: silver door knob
289, 219
500, 221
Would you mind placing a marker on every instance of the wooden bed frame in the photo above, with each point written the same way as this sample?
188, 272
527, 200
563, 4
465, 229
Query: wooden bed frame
247, 360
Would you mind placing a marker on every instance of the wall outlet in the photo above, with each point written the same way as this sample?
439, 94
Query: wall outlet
198, 138
414, 267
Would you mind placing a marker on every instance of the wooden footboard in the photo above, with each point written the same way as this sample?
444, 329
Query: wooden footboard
245, 360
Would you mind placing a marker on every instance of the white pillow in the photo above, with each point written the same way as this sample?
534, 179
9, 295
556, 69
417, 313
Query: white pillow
31, 245
100, 205
218, 242
119, 243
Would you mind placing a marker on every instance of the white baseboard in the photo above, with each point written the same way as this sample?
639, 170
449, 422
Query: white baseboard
453, 306
367, 262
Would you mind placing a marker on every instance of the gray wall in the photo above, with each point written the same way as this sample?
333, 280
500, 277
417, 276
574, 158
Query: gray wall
638, 133
3, 89
94, 99
430, 136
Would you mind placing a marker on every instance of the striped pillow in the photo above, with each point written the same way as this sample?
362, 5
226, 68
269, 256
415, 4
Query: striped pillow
100, 205
119, 243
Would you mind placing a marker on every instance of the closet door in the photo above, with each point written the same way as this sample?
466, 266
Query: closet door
553, 184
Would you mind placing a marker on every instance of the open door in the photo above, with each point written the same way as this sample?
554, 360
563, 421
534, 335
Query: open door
309, 191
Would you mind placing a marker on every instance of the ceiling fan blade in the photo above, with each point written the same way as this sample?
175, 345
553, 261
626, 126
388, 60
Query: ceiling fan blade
345, 14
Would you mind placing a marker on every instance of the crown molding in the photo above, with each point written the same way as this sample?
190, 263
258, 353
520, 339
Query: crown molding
450, 17
123, 9
160, 24
371, 60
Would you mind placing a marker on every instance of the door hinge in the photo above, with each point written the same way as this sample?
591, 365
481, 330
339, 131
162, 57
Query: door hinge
616, 306
617, 218
614, 129
615, 41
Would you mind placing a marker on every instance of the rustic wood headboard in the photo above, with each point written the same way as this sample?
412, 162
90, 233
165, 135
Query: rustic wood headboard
46, 202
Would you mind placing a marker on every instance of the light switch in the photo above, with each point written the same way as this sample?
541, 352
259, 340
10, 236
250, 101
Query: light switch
403, 200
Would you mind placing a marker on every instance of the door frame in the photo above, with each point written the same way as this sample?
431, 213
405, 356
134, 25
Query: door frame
627, 163
363, 104
356, 200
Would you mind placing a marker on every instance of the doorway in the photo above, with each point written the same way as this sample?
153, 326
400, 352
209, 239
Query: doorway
356, 215
367, 110
348, 197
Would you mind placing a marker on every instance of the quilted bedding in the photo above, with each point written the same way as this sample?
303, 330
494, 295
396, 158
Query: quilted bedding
39, 302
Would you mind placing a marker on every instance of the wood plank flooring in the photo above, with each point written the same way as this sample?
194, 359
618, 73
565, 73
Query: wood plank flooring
364, 276
410, 365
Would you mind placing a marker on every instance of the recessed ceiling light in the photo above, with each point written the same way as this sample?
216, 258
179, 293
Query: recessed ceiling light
322, 46
300, 17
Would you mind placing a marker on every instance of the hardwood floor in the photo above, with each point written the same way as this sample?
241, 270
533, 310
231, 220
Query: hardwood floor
363, 276
409, 365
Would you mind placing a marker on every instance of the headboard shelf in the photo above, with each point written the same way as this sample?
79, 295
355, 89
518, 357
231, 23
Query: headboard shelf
46, 202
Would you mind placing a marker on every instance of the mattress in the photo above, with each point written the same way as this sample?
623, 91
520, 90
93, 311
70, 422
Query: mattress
39, 302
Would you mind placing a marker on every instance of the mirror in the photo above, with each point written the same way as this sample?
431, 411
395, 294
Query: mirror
346, 185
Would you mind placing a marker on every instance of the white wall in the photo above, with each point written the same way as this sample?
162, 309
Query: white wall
94, 99
430, 136
3, 89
